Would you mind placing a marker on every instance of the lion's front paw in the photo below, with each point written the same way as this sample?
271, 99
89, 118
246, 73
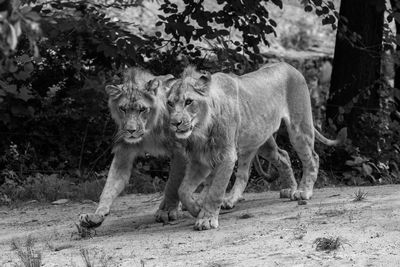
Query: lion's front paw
229, 202
301, 195
286, 193
165, 216
206, 220
90, 220
296, 194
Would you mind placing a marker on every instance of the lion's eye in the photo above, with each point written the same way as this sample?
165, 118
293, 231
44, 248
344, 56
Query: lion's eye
142, 109
188, 102
123, 109
170, 103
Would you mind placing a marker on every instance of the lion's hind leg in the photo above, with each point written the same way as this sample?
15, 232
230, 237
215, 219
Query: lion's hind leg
242, 177
281, 160
302, 139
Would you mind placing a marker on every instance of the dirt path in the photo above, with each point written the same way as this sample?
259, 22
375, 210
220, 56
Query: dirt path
263, 230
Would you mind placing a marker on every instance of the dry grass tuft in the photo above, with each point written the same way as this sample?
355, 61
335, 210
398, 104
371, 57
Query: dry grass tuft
26, 252
97, 256
360, 195
328, 244
84, 252
84, 232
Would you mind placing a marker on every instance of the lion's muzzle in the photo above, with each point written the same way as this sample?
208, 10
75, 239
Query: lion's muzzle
182, 130
133, 136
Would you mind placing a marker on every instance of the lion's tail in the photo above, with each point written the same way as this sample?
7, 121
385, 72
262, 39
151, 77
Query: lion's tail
340, 138
266, 174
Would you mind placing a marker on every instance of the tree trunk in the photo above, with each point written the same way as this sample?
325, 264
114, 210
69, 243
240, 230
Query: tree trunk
356, 67
396, 115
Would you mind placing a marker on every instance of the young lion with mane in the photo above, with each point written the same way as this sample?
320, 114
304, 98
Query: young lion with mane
222, 118
138, 108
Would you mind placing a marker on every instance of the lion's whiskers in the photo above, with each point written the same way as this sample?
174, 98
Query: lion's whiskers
118, 136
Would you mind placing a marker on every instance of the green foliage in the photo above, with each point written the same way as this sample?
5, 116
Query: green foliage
15, 20
372, 154
250, 18
49, 188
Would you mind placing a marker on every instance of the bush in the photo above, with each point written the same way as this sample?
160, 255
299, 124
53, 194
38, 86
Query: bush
49, 188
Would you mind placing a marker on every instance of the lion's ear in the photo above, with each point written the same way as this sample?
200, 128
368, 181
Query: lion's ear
202, 85
168, 82
113, 91
152, 86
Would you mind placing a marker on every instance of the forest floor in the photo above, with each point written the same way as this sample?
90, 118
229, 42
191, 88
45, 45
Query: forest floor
263, 230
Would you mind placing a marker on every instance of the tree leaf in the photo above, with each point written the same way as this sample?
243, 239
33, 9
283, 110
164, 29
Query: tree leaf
9, 88
272, 22
24, 93
12, 40
366, 169
317, 2
308, 8
278, 3
223, 32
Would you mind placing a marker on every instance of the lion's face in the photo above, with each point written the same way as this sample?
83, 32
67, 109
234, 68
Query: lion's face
187, 106
136, 110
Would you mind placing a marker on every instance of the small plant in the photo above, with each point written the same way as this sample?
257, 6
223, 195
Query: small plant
97, 256
359, 195
86, 257
84, 232
26, 252
328, 243
361, 167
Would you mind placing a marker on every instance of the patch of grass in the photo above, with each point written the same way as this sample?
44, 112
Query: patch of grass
26, 253
43, 187
360, 195
87, 259
328, 244
93, 258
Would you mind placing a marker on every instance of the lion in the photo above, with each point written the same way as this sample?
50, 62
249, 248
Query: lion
138, 108
222, 118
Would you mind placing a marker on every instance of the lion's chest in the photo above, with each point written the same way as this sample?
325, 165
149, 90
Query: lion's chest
156, 147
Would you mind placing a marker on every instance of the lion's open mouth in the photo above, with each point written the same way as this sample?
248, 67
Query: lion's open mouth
184, 133
185, 130
134, 138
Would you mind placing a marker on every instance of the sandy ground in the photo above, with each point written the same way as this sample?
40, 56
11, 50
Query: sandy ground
263, 230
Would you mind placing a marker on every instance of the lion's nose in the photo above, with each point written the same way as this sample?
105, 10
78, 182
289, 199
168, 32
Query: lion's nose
131, 131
